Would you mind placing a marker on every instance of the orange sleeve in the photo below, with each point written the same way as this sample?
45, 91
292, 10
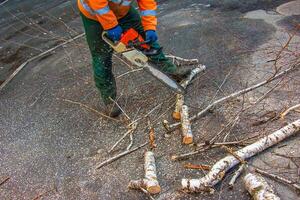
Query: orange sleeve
148, 14
103, 13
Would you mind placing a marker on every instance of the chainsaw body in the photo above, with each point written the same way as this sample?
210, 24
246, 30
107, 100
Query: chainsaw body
136, 50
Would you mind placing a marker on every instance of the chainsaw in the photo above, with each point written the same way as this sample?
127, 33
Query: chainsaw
133, 48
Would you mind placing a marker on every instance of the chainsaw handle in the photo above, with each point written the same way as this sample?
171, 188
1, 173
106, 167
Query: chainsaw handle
119, 47
107, 40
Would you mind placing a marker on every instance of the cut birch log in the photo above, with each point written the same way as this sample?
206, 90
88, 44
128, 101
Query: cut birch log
220, 168
150, 182
184, 83
200, 68
186, 126
235, 94
258, 188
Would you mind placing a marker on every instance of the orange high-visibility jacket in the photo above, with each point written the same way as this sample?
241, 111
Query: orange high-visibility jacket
107, 12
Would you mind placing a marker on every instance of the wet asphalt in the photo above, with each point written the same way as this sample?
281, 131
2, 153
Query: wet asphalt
49, 146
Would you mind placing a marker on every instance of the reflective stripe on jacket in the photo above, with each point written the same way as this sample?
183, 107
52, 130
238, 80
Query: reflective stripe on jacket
107, 12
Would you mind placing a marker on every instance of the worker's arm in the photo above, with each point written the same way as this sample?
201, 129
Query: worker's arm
105, 16
148, 14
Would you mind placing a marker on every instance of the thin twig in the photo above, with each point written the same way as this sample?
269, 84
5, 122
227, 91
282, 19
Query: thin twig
236, 174
90, 109
193, 166
279, 178
4, 181
182, 61
129, 72
114, 158
235, 121
131, 141
283, 114
132, 127
115, 102
206, 146
236, 94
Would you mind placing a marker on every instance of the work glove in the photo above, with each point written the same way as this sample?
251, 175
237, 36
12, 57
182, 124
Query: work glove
115, 33
151, 36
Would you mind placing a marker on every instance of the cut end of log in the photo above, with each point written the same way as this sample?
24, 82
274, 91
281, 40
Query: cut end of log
174, 157
188, 139
176, 116
154, 189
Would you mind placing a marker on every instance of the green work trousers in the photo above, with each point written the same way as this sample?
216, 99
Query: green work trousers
102, 53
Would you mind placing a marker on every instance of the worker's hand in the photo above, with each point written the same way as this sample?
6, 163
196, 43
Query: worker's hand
151, 36
115, 33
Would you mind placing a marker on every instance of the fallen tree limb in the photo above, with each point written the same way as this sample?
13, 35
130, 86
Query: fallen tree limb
235, 176
220, 168
149, 183
184, 83
259, 188
186, 126
236, 94
36, 57
279, 178
283, 114
112, 159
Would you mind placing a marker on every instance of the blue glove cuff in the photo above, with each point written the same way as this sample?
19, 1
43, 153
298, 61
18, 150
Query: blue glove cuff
115, 33
151, 36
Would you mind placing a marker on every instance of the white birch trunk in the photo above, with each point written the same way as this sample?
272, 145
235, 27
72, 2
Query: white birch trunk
179, 102
186, 126
184, 83
218, 171
259, 188
150, 182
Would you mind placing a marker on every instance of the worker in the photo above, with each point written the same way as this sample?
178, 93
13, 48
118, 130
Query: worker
115, 17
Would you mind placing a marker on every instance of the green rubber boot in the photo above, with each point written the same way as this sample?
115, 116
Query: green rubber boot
167, 66
112, 109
